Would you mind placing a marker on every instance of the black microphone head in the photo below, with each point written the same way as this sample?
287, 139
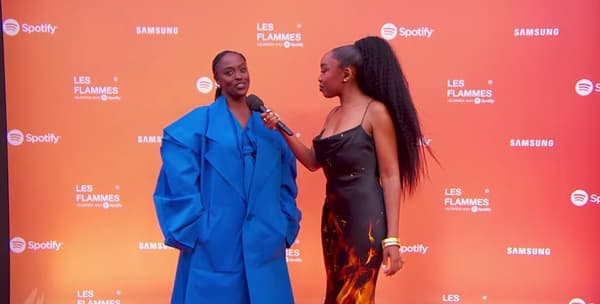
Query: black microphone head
254, 103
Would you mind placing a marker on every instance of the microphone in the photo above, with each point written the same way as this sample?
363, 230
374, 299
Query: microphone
256, 104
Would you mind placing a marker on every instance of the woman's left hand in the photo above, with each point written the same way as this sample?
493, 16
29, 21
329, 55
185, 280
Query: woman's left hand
392, 260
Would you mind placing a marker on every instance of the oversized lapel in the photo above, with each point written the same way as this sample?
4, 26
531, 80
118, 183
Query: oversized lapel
222, 152
267, 156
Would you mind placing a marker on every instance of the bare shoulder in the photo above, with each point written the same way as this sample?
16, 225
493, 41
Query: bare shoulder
378, 112
377, 117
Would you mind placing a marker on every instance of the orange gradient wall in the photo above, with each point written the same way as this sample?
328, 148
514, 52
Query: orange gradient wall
508, 93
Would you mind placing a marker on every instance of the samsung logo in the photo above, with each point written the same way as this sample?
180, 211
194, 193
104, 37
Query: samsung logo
531, 143
149, 139
536, 32
157, 30
152, 246
532, 251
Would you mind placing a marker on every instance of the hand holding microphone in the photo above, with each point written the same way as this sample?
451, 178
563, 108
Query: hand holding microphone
270, 118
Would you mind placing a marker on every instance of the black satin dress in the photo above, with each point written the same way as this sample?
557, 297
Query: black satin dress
353, 221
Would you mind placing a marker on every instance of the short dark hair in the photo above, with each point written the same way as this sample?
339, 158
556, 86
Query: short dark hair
216, 61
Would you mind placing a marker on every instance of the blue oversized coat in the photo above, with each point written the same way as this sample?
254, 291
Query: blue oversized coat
203, 211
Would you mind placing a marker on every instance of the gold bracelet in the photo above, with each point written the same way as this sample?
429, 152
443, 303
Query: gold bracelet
390, 241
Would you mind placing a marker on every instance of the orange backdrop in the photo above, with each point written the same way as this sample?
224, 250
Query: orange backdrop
508, 93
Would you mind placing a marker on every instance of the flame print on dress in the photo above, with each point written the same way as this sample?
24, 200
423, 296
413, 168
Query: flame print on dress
352, 261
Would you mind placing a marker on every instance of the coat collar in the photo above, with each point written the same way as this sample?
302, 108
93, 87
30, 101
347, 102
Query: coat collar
226, 159
218, 121
267, 156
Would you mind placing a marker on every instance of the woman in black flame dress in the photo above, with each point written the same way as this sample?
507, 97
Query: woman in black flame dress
353, 220
370, 152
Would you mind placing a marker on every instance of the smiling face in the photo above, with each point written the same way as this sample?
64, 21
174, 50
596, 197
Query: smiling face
331, 78
231, 74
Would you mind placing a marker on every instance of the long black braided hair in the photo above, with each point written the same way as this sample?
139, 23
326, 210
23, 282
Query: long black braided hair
379, 76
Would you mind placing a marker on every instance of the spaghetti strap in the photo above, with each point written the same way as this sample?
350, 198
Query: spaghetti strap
365, 113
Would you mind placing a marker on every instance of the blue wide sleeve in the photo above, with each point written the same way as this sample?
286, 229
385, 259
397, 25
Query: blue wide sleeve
177, 198
289, 192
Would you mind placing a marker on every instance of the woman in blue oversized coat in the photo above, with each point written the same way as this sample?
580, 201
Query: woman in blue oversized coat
226, 198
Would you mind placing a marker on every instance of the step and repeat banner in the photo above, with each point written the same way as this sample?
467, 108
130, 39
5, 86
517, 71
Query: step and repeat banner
508, 93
